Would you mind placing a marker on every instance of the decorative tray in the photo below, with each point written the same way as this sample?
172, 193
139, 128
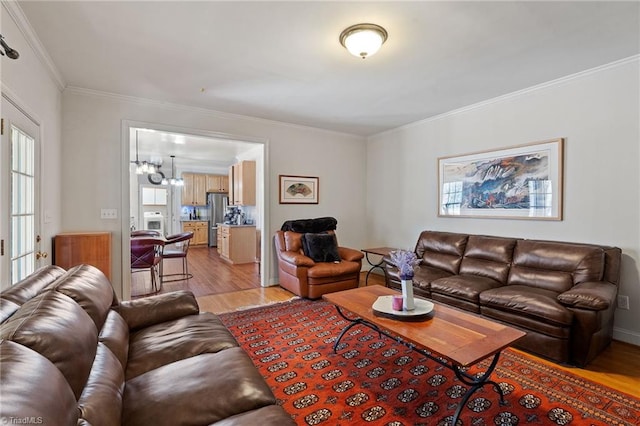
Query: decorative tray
423, 310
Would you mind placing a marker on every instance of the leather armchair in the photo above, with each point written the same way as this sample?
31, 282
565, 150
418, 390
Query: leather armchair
301, 275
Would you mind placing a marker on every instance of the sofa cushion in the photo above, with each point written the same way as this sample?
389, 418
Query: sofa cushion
152, 398
488, 257
89, 288
465, 287
529, 302
101, 399
555, 266
269, 415
16, 295
29, 287
140, 313
321, 247
442, 250
423, 276
162, 344
56, 327
24, 392
333, 270
115, 335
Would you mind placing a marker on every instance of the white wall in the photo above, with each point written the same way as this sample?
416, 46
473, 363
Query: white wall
29, 83
92, 127
598, 114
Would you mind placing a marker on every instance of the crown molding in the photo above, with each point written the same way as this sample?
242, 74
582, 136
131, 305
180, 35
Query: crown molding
15, 11
518, 93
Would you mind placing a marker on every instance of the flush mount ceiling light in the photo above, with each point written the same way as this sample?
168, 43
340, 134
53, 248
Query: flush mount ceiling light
363, 40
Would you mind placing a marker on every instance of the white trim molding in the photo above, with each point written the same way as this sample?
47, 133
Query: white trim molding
15, 11
627, 336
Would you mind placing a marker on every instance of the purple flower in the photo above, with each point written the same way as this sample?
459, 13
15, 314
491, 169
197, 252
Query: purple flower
405, 261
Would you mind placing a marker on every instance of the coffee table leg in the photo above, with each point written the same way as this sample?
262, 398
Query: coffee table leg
352, 322
476, 383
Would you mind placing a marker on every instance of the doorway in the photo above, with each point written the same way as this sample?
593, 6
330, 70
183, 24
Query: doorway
178, 150
19, 194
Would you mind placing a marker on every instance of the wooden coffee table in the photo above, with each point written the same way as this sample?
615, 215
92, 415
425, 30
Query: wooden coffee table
450, 337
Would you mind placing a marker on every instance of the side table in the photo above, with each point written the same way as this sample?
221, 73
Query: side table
378, 251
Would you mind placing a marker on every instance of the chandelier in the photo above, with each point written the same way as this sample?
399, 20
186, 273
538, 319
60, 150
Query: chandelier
143, 167
173, 180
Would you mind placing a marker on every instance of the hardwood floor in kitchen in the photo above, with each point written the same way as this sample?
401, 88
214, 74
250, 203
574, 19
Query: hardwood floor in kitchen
222, 287
211, 275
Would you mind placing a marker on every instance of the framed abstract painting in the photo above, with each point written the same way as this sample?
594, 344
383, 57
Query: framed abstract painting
521, 182
298, 189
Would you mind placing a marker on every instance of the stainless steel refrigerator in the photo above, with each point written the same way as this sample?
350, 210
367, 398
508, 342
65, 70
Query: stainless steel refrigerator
217, 204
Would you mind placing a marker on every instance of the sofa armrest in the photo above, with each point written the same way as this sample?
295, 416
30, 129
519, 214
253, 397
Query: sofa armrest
592, 295
140, 313
296, 258
350, 254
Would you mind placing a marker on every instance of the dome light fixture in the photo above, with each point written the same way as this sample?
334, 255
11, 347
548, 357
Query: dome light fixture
363, 40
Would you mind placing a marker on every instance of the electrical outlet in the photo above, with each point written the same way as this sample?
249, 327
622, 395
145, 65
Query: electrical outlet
108, 213
623, 302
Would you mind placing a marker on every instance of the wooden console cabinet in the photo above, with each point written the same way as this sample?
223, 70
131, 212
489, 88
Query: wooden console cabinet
76, 248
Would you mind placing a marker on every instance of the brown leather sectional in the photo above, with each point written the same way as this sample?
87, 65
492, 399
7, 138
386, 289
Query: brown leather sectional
71, 354
563, 295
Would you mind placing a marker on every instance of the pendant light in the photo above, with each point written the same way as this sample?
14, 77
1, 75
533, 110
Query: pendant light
173, 180
143, 167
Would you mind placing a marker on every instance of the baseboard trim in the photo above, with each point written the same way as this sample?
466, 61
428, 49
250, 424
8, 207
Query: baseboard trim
626, 336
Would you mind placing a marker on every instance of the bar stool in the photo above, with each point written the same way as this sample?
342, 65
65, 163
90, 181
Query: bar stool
176, 247
146, 253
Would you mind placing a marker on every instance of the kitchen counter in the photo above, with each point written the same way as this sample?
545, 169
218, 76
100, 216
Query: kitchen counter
237, 243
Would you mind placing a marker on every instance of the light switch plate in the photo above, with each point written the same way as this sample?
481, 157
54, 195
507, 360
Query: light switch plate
108, 213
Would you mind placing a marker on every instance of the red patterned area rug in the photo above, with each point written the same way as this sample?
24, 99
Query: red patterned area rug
378, 381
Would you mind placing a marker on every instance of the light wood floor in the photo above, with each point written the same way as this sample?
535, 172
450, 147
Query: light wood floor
220, 287
211, 275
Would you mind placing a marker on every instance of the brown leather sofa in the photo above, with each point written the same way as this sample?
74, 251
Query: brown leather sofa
305, 277
563, 295
71, 354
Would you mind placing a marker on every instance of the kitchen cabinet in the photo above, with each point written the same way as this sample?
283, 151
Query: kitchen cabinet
194, 191
217, 183
242, 183
238, 243
200, 231
76, 248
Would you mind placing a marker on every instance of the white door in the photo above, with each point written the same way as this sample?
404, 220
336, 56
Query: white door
19, 195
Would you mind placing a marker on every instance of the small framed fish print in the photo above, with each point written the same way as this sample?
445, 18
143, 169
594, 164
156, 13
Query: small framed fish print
298, 189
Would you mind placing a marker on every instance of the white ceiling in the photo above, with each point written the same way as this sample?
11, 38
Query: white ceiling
192, 153
282, 60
